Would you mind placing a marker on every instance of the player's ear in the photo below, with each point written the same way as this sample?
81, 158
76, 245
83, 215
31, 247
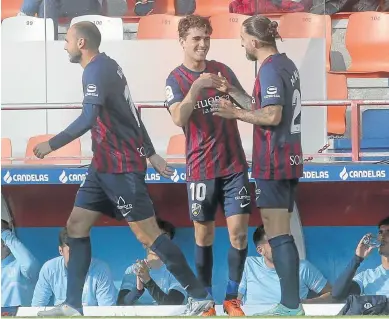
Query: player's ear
60, 250
81, 43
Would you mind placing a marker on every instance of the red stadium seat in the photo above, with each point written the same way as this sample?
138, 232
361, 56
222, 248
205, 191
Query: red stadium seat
176, 147
6, 151
10, 8
367, 41
207, 8
307, 25
227, 25
336, 115
158, 26
73, 149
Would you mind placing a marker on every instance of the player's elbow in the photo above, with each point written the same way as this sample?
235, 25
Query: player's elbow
275, 115
177, 119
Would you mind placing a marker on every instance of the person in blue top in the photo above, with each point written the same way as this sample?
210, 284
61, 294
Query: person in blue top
99, 289
370, 281
148, 282
261, 285
19, 270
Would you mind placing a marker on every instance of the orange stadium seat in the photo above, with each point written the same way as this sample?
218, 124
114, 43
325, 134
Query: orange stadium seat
10, 8
307, 25
207, 8
71, 150
336, 115
158, 26
227, 25
6, 151
367, 41
176, 147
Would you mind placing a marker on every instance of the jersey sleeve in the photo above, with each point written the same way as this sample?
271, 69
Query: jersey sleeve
43, 292
360, 280
105, 291
174, 284
173, 93
129, 279
272, 88
243, 284
312, 277
94, 85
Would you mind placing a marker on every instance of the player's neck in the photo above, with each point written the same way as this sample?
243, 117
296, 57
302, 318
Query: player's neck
87, 58
385, 262
196, 66
264, 53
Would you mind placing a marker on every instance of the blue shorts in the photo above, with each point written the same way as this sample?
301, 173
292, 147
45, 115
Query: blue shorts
119, 196
232, 192
276, 193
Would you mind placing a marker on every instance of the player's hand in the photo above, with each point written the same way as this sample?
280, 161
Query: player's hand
42, 149
225, 87
139, 284
209, 80
363, 250
224, 108
142, 271
160, 165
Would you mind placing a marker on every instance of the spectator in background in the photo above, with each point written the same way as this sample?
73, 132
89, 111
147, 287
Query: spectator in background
335, 6
247, 7
251, 7
148, 282
54, 9
261, 285
371, 281
19, 270
99, 289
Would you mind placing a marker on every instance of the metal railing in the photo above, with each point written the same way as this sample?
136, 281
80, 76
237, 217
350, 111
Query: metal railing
355, 120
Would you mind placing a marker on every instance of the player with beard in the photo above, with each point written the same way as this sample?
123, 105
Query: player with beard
115, 184
275, 112
216, 167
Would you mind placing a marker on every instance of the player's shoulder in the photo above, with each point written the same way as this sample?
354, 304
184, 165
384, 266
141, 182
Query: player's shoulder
254, 261
173, 73
53, 264
101, 65
220, 66
98, 266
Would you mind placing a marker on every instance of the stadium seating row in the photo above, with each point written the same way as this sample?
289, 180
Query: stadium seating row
71, 153
10, 8
375, 138
366, 35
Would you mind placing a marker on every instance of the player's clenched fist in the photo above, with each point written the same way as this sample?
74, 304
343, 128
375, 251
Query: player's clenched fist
208, 80
42, 149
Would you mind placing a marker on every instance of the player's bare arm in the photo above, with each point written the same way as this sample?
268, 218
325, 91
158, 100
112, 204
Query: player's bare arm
79, 127
242, 99
181, 112
268, 116
159, 164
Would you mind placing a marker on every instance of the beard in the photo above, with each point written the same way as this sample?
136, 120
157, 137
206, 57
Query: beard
76, 58
251, 57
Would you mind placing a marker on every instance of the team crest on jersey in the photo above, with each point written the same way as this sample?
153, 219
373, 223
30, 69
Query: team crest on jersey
196, 209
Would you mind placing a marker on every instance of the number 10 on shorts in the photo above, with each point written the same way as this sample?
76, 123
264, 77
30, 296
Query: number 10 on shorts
198, 191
